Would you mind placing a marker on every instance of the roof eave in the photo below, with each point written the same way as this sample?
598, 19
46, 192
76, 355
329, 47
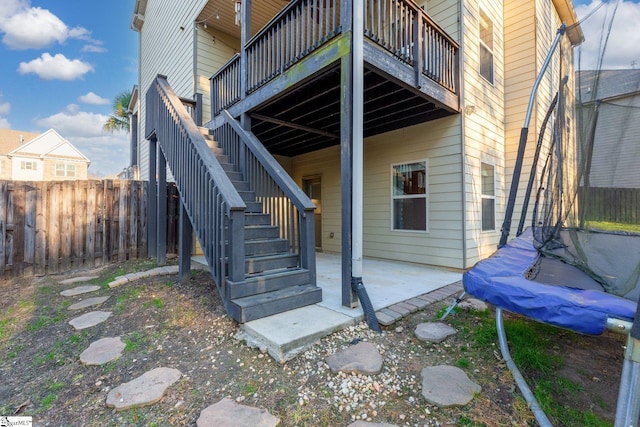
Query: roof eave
568, 15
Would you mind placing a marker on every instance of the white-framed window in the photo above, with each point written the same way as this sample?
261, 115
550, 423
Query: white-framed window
409, 196
485, 37
488, 197
28, 165
65, 169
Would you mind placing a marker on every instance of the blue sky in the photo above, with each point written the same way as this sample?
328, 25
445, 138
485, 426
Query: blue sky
63, 62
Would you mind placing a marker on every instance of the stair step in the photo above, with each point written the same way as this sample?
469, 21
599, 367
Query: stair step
257, 264
263, 305
234, 176
253, 207
248, 196
252, 232
241, 185
270, 282
258, 218
228, 167
265, 246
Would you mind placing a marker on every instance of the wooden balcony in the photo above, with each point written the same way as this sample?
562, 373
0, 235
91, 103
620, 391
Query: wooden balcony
291, 80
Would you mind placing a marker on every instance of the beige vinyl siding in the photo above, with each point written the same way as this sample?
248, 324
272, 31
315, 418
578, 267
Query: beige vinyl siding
210, 57
484, 117
531, 28
166, 43
445, 14
438, 143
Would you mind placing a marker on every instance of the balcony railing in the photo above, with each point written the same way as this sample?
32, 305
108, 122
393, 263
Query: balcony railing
405, 30
398, 26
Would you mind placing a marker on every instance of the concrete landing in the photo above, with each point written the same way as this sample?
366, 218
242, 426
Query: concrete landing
395, 289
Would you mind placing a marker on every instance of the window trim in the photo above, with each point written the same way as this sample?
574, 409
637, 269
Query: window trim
482, 44
484, 197
393, 197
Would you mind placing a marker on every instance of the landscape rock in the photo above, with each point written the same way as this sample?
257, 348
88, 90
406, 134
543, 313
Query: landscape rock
433, 331
445, 386
363, 358
145, 390
227, 413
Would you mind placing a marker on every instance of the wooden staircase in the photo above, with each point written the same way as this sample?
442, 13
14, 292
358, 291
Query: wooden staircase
273, 281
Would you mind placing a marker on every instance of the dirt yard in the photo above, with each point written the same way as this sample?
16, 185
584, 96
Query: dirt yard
184, 326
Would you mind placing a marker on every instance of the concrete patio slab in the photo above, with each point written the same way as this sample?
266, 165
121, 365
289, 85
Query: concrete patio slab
286, 334
388, 284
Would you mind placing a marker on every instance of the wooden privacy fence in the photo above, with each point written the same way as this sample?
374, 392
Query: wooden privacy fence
52, 227
614, 205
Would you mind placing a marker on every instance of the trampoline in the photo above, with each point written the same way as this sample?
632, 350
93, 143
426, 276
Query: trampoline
571, 267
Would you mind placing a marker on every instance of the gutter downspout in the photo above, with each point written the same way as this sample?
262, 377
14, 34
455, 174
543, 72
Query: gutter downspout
463, 151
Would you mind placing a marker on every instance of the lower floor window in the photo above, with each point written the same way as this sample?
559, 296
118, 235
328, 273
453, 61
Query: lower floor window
488, 197
409, 196
65, 169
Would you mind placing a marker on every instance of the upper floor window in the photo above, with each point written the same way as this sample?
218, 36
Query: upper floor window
64, 169
488, 197
486, 47
28, 165
409, 196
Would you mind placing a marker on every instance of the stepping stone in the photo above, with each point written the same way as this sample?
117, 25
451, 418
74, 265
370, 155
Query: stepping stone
145, 390
89, 319
228, 413
89, 302
475, 304
367, 424
77, 279
79, 290
102, 351
433, 332
363, 358
447, 386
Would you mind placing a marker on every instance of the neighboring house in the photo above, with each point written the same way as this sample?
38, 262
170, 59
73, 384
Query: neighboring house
617, 130
28, 156
445, 87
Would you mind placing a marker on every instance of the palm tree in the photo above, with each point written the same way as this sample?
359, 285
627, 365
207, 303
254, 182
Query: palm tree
119, 120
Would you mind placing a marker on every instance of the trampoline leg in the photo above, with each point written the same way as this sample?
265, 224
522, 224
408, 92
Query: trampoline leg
453, 305
541, 417
628, 407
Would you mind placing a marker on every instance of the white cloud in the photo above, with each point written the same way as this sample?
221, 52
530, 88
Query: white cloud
108, 152
35, 28
623, 45
92, 98
4, 123
94, 46
5, 107
56, 67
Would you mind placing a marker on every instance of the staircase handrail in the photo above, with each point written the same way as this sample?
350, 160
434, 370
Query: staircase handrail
271, 165
194, 166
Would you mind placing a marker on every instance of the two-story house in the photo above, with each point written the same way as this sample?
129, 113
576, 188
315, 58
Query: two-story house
399, 120
28, 156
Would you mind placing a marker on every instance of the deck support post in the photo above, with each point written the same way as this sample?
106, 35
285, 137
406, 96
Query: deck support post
185, 233
161, 226
152, 203
349, 297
